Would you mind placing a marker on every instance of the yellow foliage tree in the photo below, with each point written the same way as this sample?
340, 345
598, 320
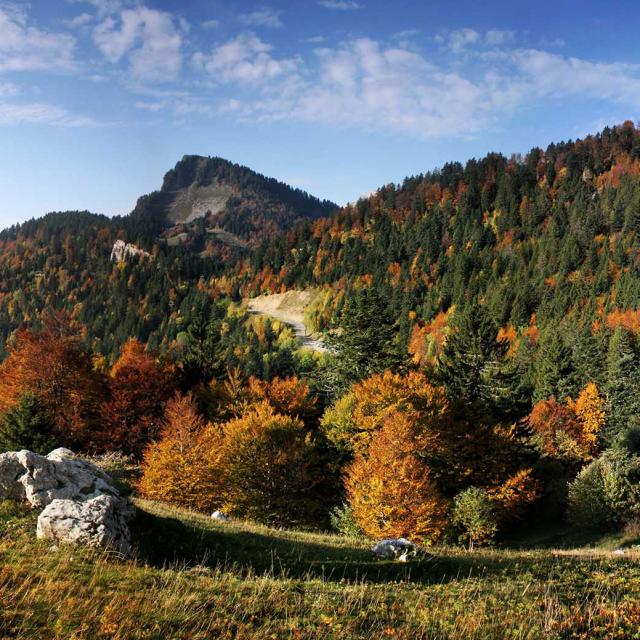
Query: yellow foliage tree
589, 410
389, 487
352, 421
182, 467
569, 431
272, 470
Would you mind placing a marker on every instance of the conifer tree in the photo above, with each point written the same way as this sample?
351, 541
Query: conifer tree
554, 367
622, 390
27, 426
366, 343
474, 366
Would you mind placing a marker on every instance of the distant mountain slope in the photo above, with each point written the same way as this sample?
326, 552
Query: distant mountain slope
543, 241
201, 194
208, 213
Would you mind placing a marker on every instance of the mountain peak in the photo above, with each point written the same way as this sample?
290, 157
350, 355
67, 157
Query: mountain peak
229, 198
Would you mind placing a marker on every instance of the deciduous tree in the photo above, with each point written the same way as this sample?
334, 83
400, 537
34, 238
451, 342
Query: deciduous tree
390, 489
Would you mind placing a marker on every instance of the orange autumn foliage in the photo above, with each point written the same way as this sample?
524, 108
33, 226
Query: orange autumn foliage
182, 467
512, 496
353, 419
290, 396
629, 320
427, 341
389, 488
568, 430
140, 385
53, 365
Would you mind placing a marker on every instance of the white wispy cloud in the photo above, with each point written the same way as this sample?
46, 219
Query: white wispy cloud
461, 40
497, 37
8, 89
36, 113
365, 83
79, 21
552, 75
210, 24
265, 17
24, 47
151, 41
245, 59
103, 7
340, 5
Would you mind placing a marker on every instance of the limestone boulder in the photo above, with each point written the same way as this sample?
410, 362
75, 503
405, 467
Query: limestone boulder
96, 522
399, 549
80, 502
39, 480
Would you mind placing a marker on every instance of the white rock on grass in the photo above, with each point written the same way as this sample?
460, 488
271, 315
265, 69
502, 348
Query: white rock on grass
97, 522
219, 516
39, 480
399, 549
81, 503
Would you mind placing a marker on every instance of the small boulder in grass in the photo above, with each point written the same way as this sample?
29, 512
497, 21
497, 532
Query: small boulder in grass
399, 549
80, 503
96, 522
219, 516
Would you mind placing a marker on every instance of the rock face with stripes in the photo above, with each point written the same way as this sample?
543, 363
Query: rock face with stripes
80, 502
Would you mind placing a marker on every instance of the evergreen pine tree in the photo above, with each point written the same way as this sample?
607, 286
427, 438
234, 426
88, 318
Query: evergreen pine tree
27, 426
474, 366
367, 340
622, 389
554, 367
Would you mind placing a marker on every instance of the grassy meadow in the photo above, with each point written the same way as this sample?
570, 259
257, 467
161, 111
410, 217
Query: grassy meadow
194, 579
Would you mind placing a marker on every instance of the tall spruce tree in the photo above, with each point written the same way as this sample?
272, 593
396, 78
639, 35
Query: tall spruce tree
474, 366
622, 389
367, 340
555, 373
27, 426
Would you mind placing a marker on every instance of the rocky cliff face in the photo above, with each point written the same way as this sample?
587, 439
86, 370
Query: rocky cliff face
123, 250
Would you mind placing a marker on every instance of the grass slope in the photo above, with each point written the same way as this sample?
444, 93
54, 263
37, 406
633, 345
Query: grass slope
194, 578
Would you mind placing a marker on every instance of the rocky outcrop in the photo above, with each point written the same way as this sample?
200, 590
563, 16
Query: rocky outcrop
122, 250
39, 480
399, 549
97, 522
80, 502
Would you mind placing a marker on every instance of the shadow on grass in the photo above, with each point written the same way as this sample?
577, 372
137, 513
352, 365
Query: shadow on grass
163, 541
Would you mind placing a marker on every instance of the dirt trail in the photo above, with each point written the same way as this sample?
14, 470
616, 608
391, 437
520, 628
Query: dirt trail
289, 308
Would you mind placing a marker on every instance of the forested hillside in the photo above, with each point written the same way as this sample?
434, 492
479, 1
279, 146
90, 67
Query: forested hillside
547, 244
62, 261
483, 366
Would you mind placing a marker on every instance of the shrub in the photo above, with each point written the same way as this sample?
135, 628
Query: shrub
27, 425
606, 493
272, 469
343, 521
474, 513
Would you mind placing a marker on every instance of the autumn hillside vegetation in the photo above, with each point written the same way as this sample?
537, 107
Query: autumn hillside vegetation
199, 579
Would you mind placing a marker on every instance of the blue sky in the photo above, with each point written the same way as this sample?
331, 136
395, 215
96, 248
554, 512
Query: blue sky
98, 98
